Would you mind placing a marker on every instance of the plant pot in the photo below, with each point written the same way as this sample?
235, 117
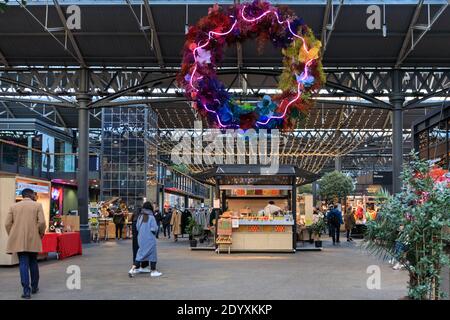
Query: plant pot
193, 243
191, 237
318, 243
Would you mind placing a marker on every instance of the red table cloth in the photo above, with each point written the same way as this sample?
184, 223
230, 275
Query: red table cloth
66, 244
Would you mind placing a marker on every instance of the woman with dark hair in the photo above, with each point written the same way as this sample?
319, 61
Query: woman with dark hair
142, 266
146, 235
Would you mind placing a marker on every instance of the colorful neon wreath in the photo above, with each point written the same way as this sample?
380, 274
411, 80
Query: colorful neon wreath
203, 51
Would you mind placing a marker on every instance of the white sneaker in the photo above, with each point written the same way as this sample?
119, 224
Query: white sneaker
144, 270
155, 274
132, 272
397, 266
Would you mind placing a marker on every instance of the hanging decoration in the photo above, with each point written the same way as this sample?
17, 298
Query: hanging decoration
259, 20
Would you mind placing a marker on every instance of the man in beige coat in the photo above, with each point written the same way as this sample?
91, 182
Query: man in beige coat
25, 225
175, 222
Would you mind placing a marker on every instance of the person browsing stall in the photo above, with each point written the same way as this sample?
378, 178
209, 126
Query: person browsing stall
25, 226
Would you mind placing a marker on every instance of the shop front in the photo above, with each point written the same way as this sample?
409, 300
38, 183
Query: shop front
11, 187
259, 209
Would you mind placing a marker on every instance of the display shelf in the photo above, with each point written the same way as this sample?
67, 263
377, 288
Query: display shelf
258, 197
266, 223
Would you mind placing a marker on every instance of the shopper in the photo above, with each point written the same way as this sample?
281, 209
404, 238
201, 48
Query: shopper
25, 226
146, 229
349, 221
137, 267
175, 222
316, 215
330, 228
166, 218
334, 218
158, 218
119, 221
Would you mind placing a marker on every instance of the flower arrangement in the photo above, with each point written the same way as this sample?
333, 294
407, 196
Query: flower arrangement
412, 226
204, 50
56, 224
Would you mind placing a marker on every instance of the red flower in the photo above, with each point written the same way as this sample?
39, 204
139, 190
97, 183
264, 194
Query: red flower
438, 174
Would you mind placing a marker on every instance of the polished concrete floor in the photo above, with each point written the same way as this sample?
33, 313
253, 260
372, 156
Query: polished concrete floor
338, 272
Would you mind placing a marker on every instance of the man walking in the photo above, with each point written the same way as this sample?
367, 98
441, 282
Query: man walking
166, 218
158, 218
334, 218
25, 225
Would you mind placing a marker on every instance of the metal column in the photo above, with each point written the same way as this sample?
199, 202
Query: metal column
83, 99
224, 201
294, 212
338, 163
397, 99
186, 201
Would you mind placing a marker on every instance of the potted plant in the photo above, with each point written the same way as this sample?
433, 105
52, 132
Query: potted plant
318, 228
192, 230
411, 228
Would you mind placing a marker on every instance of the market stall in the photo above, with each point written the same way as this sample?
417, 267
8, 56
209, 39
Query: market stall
104, 214
11, 186
260, 208
64, 244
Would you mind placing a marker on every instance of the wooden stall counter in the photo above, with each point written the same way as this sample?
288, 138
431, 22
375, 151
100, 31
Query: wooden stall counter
263, 236
107, 229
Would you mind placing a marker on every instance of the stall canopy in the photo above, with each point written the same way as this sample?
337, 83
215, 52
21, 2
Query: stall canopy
259, 175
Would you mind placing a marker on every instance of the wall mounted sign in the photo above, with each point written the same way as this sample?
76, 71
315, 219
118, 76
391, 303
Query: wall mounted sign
36, 188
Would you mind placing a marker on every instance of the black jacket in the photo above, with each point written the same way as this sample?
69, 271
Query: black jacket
166, 217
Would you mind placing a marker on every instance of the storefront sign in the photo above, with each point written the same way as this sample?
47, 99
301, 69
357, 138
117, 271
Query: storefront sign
373, 189
382, 177
34, 187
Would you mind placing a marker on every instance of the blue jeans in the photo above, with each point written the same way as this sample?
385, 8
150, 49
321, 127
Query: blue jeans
335, 232
28, 266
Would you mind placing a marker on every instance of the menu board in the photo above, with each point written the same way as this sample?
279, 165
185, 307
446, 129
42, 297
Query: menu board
255, 192
224, 227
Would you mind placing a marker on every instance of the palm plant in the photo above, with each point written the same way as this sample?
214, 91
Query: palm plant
415, 219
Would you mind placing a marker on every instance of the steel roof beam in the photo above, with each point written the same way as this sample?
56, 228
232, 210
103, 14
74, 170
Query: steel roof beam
145, 28
326, 17
48, 31
409, 33
71, 37
410, 41
151, 22
3, 59
8, 110
328, 28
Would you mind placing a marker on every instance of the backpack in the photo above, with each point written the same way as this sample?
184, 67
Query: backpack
334, 219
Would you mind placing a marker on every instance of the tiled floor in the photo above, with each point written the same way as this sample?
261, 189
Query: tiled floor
335, 273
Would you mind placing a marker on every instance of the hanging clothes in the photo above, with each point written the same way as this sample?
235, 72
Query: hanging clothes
201, 218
